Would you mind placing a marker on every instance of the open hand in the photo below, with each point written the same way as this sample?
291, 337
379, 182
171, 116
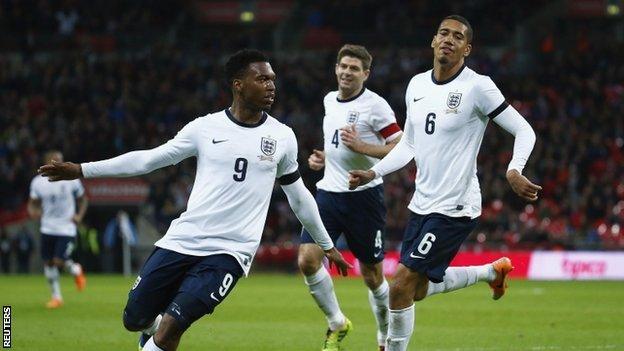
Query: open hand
316, 161
335, 257
358, 177
522, 186
56, 171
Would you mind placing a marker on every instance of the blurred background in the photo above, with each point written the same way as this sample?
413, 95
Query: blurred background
95, 79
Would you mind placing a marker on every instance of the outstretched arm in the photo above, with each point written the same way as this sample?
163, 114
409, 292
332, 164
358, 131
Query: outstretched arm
129, 164
510, 120
306, 210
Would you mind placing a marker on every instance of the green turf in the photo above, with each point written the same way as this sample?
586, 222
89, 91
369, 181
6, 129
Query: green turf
275, 312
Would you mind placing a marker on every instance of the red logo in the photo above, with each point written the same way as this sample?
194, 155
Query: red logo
590, 268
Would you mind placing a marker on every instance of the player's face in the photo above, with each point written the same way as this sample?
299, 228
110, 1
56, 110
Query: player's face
450, 44
55, 156
257, 87
350, 73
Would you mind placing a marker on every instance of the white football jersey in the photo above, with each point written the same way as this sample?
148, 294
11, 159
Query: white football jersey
237, 165
58, 204
374, 121
445, 125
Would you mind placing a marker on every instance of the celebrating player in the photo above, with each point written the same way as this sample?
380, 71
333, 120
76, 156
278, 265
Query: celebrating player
55, 205
359, 128
448, 109
240, 152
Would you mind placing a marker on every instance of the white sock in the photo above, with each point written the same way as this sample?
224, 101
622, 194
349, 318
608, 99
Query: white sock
52, 275
400, 329
152, 329
151, 346
378, 300
73, 268
461, 277
322, 290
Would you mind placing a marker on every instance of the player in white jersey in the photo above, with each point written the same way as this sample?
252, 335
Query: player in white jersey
359, 128
240, 152
448, 109
55, 205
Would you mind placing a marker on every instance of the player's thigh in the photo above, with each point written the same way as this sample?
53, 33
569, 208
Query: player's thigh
205, 286
157, 283
64, 247
365, 221
48, 243
431, 242
330, 216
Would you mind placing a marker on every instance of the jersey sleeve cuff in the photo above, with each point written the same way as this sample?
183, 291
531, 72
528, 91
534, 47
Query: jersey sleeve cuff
86, 171
290, 178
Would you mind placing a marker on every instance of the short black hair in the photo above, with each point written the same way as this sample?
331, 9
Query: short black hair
461, 19
238, 63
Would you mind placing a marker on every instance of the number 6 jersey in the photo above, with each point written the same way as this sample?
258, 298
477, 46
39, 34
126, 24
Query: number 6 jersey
445, 126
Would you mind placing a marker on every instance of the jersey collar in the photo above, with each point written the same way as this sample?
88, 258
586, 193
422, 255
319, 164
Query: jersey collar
246, 125
353, 97
442, 82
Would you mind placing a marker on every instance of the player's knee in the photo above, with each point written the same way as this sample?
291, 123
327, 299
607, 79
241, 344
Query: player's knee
373, 276
58, 262
308, 259
134, 320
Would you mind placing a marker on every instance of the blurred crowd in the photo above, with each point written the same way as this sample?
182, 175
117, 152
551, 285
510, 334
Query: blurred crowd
94, 105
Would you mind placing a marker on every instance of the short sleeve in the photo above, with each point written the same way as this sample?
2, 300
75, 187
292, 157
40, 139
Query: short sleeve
34, 191
489, 99
288, 163
78, 189
383, 119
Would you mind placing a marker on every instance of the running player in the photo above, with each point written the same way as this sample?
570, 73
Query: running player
55, 205
448, 109
359, 128
240, 152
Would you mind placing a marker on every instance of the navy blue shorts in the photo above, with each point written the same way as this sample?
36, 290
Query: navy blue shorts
186, 287
431, 242
57, 246
360, 216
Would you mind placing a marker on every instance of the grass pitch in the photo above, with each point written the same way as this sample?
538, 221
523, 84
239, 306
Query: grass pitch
275, 312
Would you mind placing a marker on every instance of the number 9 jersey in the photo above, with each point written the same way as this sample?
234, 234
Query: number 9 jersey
237, 165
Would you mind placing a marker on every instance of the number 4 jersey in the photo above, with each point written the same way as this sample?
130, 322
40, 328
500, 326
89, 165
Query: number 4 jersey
237, 165
375, 123
445, 126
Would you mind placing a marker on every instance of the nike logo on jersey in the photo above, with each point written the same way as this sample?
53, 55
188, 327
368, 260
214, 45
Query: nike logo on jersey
212, 296
416, 256
218, 141
416, 100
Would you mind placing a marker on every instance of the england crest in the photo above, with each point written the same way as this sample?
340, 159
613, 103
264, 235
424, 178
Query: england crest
453, 101
352, 117
268, 146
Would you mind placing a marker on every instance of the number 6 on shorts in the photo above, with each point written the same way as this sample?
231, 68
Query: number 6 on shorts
426, 243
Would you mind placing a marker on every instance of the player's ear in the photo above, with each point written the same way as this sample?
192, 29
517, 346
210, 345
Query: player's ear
432, 42
467, 50
366, 74
237, 85
336, 68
